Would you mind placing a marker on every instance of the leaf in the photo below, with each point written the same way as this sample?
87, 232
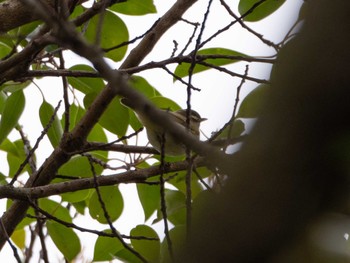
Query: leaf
112, 200
180, 181
165, 103
46, 111
15, 155
182, 69
18, 237
13, 109
76, 197
126, 256
65, 239
143, 86
106, 247
237, 129
13, 86
149, 197
4, 50
83, 84
177, 235
135, 7
113, 33
55, 209
150, 249
263, 10
253, 103
115, 118
79, 166
3, 98
176, 207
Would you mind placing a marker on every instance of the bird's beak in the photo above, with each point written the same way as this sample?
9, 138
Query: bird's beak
202, 119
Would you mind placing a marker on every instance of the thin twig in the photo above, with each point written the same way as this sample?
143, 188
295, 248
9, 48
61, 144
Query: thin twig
163, 206
107, 217
31, 152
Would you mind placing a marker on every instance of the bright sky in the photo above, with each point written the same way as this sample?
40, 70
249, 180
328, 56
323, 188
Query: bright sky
214, 102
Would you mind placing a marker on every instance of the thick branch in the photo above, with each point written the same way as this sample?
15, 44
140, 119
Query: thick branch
88, 183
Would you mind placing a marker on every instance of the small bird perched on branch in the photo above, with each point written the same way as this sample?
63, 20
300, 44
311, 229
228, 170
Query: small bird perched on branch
156, 135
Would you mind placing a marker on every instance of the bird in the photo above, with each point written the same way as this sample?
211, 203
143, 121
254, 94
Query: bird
156, 133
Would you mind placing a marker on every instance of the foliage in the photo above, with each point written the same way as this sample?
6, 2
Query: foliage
83, 168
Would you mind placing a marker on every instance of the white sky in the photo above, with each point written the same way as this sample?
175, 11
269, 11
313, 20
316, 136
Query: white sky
214, 102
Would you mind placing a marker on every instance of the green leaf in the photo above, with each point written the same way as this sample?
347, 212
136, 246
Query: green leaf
263, 10
112, 200
18, 237
165, 103
180, 181
253, 103
55, 209
115, 118
149, 197
13, 109
79, 166
177, 237
15, 155
113, 33
65, 239
150, 249
13, 86
75, 114
176, 207
126, 256
76, 197
85, 85
182, 69
135, 7
4, 50
143, 86
55, 131
3, 98
237, 129
106, 247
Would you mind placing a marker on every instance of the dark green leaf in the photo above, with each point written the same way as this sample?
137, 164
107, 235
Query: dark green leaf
13, 109
77, 196
3, 98
115, 118
177, 237
149, 197
113, 201
165, 103
126, 256
147, 248
13, 86
85, 85
4, 50
79, 166
135, 7
113, 33
106, 247
65, 239
235, 131
176, 207
143, 86
55, 209
15, 155
253, 103
46, 112
263, 10
182, 69
180, 181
